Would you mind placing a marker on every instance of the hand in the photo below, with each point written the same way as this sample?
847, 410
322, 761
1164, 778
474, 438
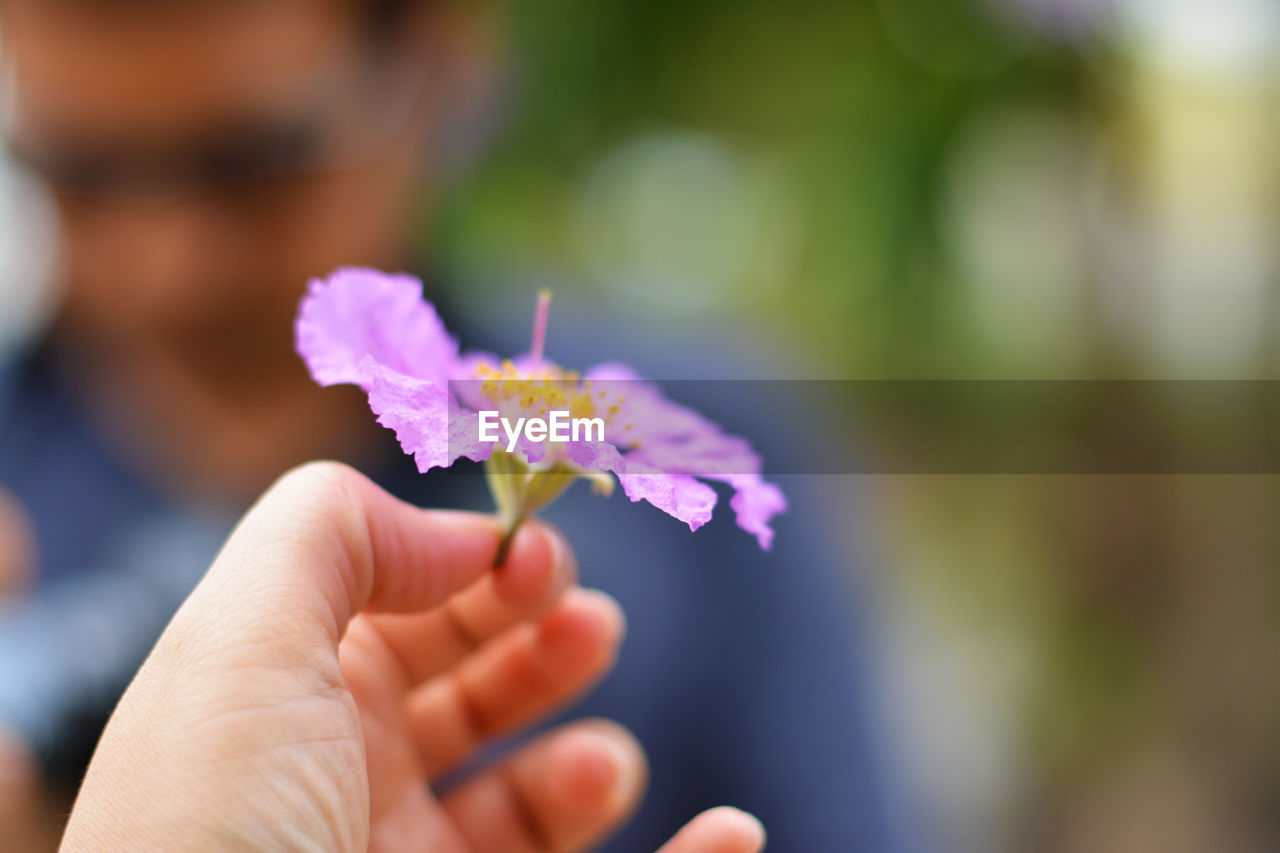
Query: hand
344, 650
17, 548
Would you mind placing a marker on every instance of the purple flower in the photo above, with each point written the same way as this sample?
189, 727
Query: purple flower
376, 331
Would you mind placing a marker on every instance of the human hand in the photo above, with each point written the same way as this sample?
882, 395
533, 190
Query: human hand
344, 650
17, 547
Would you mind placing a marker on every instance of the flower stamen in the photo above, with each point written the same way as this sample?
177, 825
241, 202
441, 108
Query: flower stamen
540, 326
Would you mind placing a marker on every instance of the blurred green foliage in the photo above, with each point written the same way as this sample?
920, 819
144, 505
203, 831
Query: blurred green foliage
856, 103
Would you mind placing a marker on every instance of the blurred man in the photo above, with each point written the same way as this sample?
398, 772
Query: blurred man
208, 157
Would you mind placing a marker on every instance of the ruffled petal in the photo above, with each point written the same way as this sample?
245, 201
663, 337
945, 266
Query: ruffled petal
755, 503
376, 331
464, 437
532, 451
356, 313
672, 438
419, 413
677, 495
595, 456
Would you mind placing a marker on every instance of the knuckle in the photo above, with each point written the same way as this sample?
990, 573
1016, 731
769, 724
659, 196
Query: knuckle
320, 487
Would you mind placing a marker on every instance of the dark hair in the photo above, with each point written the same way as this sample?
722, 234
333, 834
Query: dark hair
384, 17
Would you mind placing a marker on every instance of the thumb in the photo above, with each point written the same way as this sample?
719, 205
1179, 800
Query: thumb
198, 736
17, 547
325, 543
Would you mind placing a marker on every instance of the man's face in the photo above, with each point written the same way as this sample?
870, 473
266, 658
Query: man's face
209, 157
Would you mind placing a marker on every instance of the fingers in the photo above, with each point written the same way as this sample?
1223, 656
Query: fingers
721, 830
325, 542
525, 673
17, 547
561, 793
427, 644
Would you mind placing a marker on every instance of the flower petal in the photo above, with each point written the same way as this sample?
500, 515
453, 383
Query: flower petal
645, 416
464, 437
595, 456
755, 503
611, 371
419, 413
677, 495
356, 313
673, 438
376, 331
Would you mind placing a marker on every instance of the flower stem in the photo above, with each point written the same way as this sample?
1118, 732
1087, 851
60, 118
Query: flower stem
504, 547
519, 492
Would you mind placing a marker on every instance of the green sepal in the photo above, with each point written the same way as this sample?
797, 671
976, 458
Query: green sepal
520, 490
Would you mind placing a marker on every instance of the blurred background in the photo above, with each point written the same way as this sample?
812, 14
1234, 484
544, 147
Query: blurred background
1067, 189
1004, 189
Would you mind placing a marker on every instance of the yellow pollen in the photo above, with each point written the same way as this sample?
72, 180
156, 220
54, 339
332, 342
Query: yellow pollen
545, 388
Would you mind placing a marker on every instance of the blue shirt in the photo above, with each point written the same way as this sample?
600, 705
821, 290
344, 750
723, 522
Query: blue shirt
742, 673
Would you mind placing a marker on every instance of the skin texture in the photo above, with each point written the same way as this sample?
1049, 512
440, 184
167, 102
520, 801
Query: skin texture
344, 650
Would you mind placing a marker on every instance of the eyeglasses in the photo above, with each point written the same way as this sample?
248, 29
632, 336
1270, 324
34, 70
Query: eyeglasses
243, 157
349, 118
